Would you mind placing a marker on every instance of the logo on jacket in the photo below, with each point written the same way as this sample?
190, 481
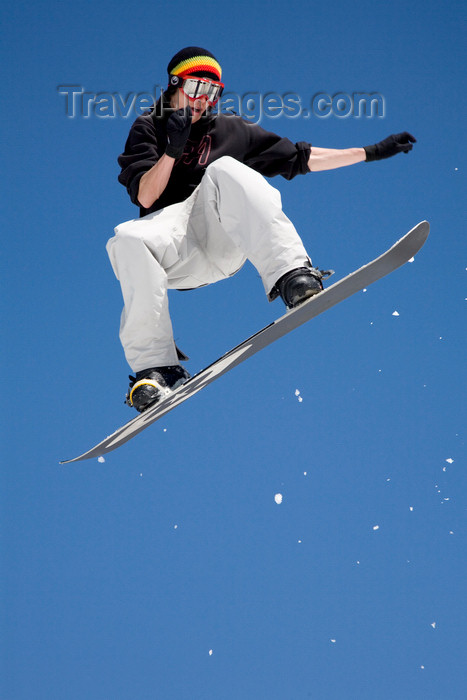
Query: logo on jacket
197, 151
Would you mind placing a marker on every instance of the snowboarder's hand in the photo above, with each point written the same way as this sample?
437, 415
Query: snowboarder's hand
396, 143
178, 128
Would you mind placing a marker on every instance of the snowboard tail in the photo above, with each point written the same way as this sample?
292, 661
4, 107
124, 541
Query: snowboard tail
402, 251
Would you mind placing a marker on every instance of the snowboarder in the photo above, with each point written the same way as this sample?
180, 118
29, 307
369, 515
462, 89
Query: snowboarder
205, 208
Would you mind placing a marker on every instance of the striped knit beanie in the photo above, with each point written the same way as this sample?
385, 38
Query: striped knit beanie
194, 61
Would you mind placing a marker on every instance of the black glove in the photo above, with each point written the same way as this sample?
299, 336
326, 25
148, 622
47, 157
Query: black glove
178, 128
396, 143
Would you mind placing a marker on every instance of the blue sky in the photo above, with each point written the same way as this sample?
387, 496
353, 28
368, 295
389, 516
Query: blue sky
119, 578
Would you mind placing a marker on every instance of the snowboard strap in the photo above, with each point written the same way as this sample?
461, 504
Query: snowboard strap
164, 390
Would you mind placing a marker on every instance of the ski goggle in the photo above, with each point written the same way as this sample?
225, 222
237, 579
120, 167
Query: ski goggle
200, 87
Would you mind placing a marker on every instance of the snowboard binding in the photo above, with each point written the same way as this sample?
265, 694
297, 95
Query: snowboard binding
298, 285
151, 385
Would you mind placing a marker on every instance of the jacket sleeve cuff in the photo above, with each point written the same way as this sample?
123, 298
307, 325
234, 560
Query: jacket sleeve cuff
303, 150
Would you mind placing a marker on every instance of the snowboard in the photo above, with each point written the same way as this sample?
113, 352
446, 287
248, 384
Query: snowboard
402, 251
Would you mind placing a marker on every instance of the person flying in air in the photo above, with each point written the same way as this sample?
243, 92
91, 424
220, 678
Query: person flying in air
198, 179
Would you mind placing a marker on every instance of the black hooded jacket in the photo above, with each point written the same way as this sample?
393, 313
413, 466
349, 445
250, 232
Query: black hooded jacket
212, 137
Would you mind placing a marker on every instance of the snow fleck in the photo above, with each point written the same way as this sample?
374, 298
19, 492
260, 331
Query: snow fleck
297, 394
412, 260
451, 532
411, 508
444, 469
101, 460
375, 527
388, 479
358, 562
395, 313
364, 290
433, 624
278, 498
305, 473
446, 499
210, 652
175, 527
422, 667
141, 474
333, 641
165, 430
449, 460
299, 542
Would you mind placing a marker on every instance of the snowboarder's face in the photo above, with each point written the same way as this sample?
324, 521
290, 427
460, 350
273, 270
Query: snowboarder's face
198, 105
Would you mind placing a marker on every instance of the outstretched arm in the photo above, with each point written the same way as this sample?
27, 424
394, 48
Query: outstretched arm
330, 158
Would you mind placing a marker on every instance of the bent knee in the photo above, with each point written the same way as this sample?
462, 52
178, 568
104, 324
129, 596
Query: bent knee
226, 164
227, 171
127, 240
128, 229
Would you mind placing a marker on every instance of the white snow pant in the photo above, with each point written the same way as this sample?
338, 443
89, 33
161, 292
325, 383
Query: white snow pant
233, 215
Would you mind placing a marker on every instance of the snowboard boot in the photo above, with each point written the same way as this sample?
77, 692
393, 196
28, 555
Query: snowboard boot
298, 285
150, 385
